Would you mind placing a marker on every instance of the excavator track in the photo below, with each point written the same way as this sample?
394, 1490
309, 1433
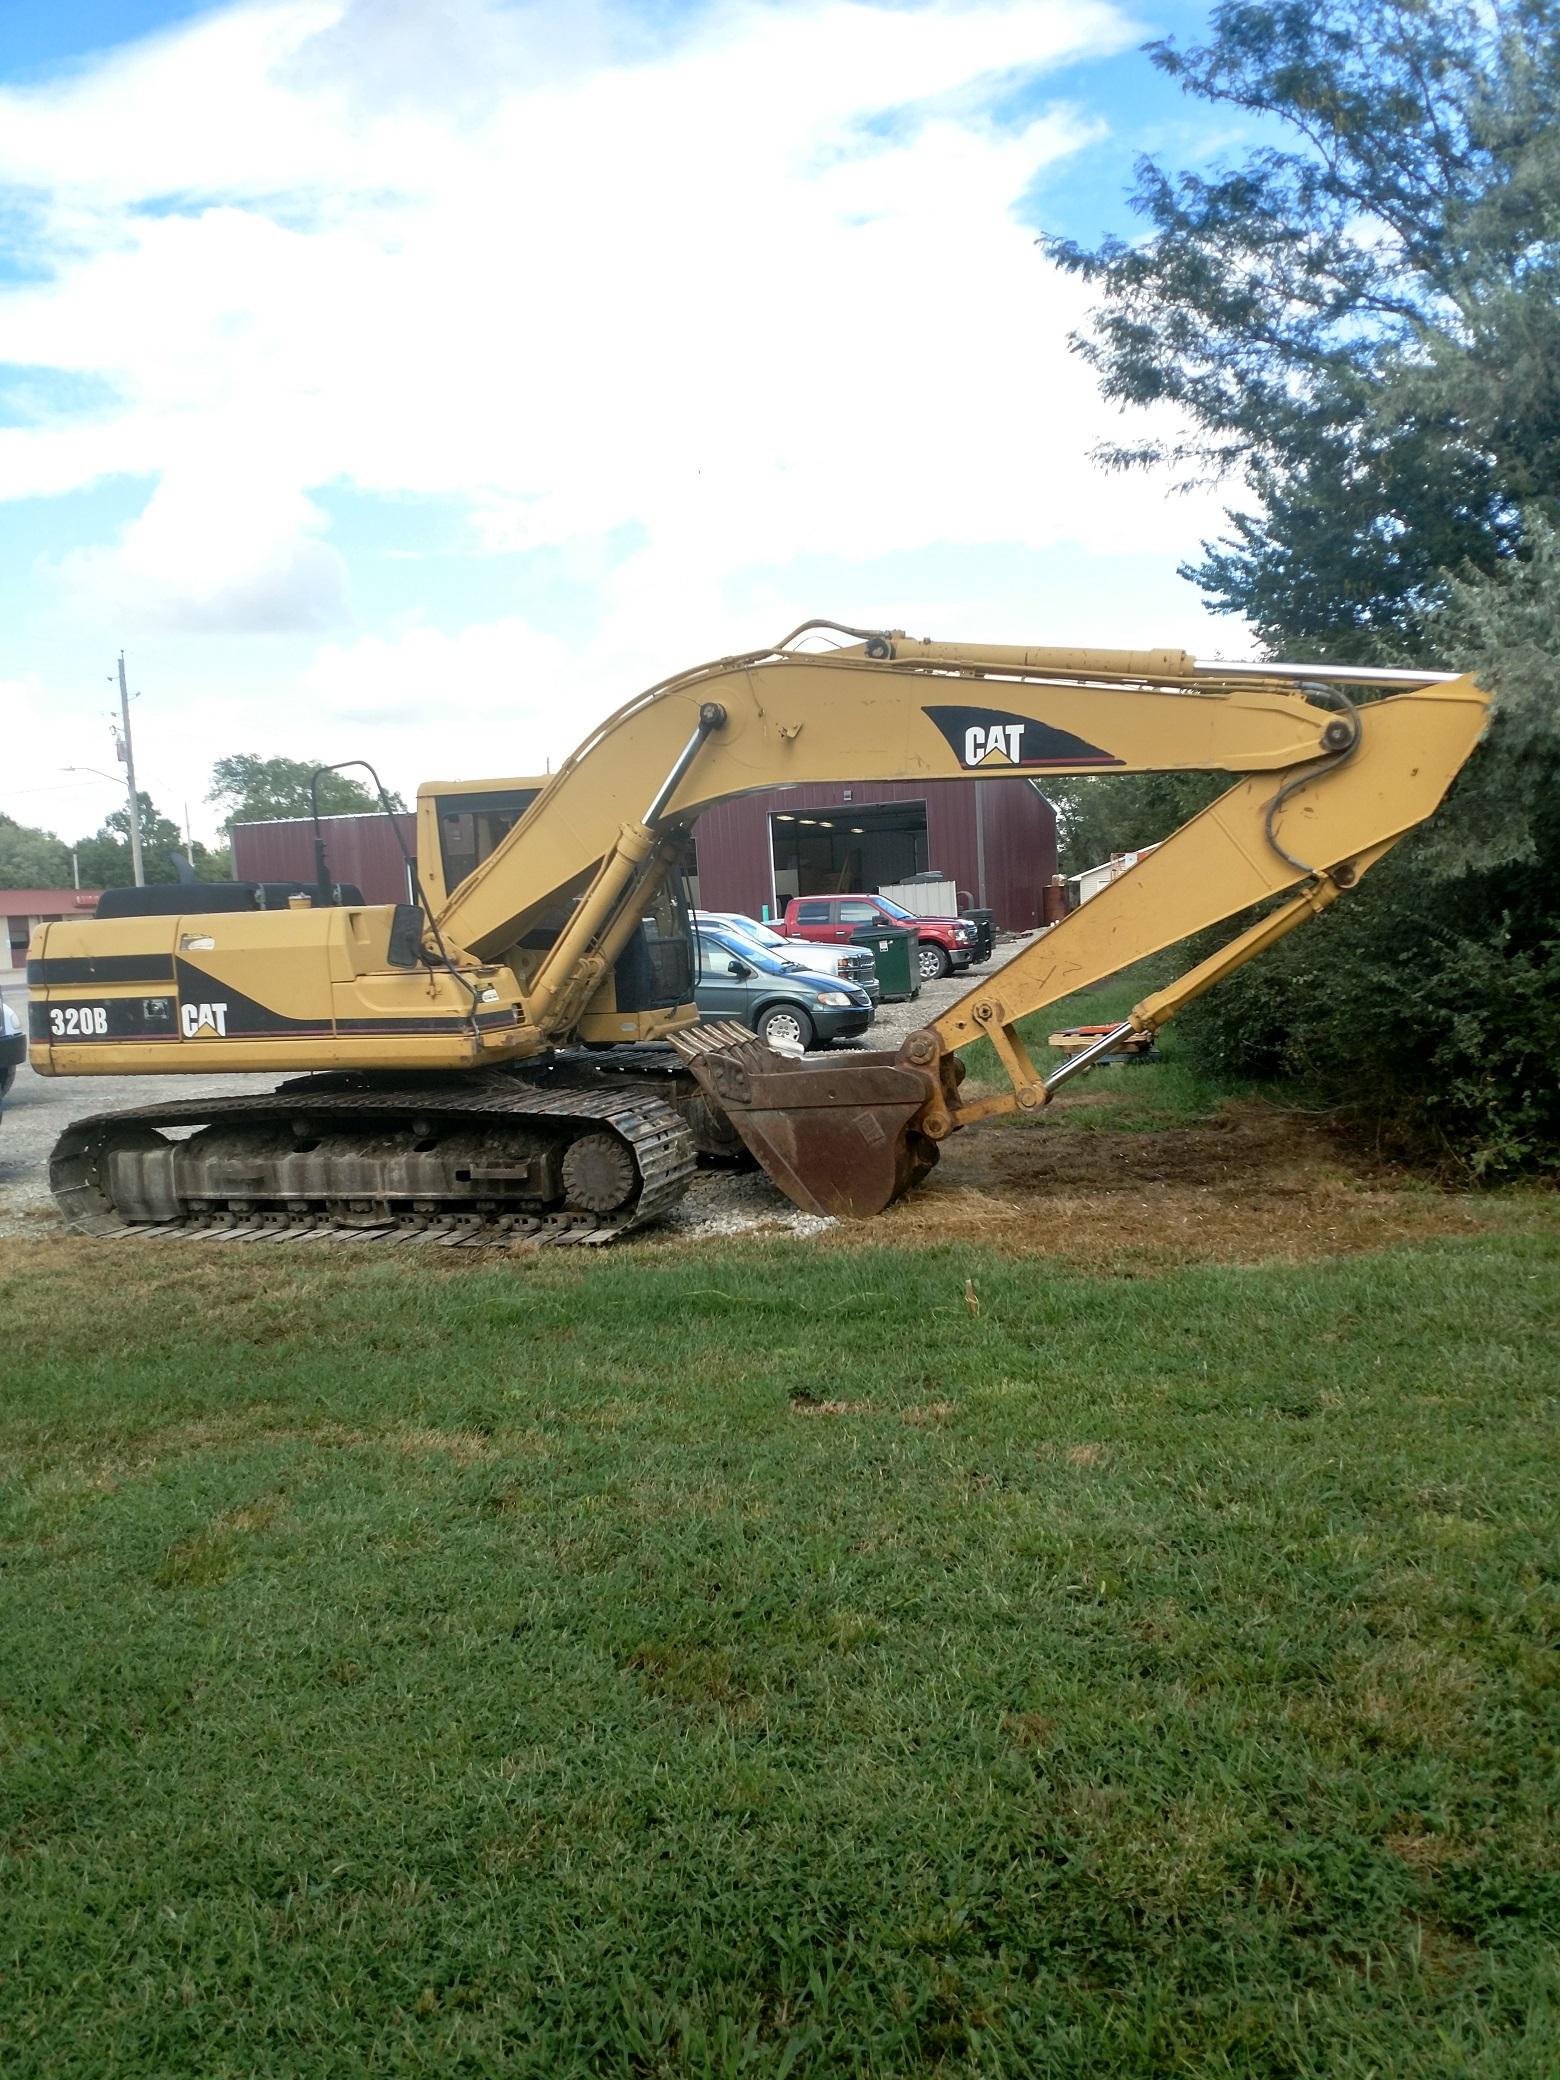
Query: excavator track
488, 1162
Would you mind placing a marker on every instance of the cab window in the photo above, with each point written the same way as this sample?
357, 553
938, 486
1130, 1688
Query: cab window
812, 913
859, 913
471, 826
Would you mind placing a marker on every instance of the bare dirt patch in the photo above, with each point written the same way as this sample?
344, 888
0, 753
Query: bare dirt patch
1256, 1186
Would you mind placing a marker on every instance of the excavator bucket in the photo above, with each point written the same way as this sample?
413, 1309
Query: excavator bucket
836, 1133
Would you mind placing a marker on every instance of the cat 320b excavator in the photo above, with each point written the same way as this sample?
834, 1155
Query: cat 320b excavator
489, 1062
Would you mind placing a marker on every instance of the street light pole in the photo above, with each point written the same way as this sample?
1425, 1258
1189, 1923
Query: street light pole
127, 753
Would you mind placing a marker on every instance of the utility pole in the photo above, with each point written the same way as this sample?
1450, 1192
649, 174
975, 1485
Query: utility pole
127, 753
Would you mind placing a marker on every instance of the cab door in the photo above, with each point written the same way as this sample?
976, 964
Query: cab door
851, 915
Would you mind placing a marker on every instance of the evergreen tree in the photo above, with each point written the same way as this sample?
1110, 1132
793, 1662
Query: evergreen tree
1362, 318
1360, 323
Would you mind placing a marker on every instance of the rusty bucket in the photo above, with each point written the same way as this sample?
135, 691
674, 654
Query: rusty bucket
836, 1133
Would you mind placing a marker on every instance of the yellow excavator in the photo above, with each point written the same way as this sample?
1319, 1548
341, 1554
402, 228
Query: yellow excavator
514, 1052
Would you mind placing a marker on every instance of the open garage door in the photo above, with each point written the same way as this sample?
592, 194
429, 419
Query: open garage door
839, 851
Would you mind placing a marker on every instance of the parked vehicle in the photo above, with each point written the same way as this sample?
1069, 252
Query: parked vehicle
854, 963
780, 1000
13, 1048
947, 944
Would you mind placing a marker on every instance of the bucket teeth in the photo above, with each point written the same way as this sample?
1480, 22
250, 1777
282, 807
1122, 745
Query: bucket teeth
720, 1036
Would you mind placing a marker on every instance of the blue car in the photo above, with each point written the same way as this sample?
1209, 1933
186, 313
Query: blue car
786, 1004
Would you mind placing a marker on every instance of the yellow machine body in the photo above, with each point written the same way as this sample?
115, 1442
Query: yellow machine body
270, 991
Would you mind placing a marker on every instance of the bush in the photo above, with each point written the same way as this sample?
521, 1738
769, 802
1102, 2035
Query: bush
1427, 1015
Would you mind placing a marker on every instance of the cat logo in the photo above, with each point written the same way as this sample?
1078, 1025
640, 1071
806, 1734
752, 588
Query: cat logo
981, 738
196, 1019
994, 744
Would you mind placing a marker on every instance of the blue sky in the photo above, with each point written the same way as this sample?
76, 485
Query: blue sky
416, 384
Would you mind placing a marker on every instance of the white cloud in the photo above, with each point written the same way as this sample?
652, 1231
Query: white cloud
745, 288
263, 570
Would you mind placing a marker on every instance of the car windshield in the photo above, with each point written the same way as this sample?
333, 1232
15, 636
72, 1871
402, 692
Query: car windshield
760, 934
898, 910
749, 950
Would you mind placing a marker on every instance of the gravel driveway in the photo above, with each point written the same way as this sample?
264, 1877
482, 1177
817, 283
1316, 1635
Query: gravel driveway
39, 1108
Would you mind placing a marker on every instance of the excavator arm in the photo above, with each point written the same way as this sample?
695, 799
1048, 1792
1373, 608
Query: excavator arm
451, 1107
885, 709
1325, 789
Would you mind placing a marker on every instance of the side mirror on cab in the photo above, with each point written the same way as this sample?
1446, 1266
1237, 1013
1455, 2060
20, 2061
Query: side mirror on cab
740, 969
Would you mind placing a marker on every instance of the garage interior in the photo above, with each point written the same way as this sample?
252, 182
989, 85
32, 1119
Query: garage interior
843, 849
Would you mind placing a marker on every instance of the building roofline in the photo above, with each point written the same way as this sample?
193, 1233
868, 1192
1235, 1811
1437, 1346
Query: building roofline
287, 823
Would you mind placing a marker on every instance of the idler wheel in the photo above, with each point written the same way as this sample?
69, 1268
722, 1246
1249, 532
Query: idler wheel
598, 1173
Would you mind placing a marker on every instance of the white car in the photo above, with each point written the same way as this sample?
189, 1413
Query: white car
851, 963
13, 1048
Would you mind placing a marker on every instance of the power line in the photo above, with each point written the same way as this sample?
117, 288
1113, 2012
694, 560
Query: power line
8, 794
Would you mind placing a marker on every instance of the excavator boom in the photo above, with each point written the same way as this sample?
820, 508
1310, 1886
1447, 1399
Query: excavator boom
1325, 789
848, 1144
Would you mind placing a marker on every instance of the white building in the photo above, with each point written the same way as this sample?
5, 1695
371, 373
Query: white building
1093, 879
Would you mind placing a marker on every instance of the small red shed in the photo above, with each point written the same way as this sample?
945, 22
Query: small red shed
23, 908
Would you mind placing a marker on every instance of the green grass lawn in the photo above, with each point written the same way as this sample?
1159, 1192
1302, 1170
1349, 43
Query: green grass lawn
779, 1661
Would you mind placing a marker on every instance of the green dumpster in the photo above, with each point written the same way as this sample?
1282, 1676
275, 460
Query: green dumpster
893, 948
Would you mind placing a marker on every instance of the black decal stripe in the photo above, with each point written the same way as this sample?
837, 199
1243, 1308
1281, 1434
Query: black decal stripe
487, 1022
247, 1019
101, 967
353, 1028
134, 1026
1043, 744
125, 1018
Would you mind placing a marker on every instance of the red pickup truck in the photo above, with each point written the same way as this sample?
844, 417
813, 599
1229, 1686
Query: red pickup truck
947, 943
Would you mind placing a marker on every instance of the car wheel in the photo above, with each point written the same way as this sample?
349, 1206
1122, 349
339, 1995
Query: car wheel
932, 963
785, 1023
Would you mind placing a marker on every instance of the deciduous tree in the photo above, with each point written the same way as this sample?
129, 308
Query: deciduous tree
251, 789
31, 858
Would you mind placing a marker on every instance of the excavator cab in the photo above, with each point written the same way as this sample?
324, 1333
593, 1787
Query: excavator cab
648, 992
461, 823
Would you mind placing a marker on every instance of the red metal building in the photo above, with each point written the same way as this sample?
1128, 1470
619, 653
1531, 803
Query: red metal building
995, 839
362, 851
